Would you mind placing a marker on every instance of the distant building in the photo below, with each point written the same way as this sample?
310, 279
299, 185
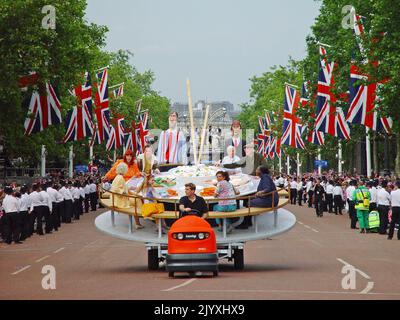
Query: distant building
221, 114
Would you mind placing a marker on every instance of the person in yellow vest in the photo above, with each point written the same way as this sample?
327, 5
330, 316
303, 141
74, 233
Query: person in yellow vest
361, 198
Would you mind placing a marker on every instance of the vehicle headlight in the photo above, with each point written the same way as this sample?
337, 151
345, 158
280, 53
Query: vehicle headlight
201, 236
180, 236
207, 235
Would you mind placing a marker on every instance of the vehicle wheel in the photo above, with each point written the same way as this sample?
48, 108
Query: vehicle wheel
171, 274
215, 273
238, 259
152, 259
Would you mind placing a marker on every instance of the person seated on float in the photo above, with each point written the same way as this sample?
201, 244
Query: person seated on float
250, 162
120, 189
192, 204
225, 189
147, 161
150, 206
266, 190
230, 158
132, 171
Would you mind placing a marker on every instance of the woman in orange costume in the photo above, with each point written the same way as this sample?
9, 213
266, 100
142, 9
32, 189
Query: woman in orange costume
133, 170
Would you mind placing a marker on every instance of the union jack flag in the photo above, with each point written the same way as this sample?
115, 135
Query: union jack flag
141, 134
78, 124
110, 144
363, 98
292, 127
130, 138
269, 119
102, 111
44, 108
117, 133
84, 93
330, 119
313, 136
262, 136
119, 91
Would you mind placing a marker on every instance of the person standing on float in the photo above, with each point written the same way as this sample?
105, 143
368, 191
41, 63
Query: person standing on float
172, 143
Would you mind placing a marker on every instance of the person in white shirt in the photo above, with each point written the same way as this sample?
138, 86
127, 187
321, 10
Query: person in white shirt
281, 182
329, 196
93, 195
293, 190
55, 213
352, 210
60, 205
82, 198
374, 195
11, 228
383, 207
47, 208
231, 158
395, 201
76, 193
300, 185
66, 212
86, 189
310, 191
338, 198
24, 213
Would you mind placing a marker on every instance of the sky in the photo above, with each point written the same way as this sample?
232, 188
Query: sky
218, 44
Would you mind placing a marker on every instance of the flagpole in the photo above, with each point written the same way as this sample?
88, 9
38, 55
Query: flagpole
287, 165
340, 157
43, 162
115, 155
191, 121
71, 159
116, 85
298, 164
90, 150
319, 164
368, 151
106, 67
280, 165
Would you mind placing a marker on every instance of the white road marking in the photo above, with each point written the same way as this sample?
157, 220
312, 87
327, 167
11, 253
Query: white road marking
370, 284
307, 226
41, 259
181, 285
20, 270
315, 242
299, 291
58, 250
300, 222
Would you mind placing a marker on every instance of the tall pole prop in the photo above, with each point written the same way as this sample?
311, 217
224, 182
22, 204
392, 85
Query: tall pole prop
43, 162
203, 132
368, 151
340, 170
71, 159
191, 121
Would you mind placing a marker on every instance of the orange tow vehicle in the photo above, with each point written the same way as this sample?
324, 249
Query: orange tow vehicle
192, 247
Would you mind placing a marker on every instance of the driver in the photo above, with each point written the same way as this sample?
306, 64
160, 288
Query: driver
192, 203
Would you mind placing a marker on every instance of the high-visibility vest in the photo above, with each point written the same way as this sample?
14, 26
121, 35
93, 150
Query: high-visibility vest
361, 195
373, 219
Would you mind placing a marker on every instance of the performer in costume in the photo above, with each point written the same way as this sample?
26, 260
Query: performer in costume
236, 140
172, 144
133, 170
